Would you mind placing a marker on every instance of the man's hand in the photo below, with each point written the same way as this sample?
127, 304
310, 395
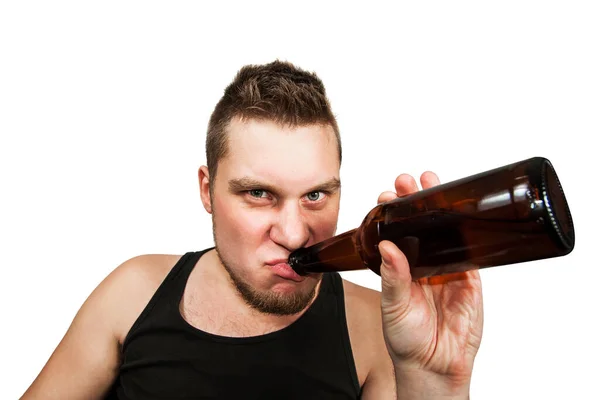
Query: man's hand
432, 326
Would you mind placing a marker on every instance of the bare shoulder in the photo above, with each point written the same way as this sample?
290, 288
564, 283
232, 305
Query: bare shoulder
86, 361
131, 285
373, 365
363, 316
148, 270
362, 302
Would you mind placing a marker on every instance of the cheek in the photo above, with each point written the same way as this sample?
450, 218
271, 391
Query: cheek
238, 225
324, 224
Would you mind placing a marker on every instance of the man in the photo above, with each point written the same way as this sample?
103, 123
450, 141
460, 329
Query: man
236, 321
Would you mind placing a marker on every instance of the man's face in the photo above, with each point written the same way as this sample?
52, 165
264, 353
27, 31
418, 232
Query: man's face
277, 190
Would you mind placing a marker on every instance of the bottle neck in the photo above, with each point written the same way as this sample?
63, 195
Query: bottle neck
339, 253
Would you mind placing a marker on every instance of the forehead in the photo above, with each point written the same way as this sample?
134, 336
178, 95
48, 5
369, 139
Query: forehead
281, 155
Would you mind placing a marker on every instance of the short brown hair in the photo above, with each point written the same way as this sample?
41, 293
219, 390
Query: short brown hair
278, 92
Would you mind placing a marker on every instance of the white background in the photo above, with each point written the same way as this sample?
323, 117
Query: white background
103, 110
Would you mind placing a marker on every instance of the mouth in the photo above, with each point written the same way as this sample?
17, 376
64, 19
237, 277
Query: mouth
283, 270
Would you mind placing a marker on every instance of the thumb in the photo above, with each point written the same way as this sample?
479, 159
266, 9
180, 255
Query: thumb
396, 280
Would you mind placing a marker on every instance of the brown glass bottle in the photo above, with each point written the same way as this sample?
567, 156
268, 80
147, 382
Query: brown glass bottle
507, 215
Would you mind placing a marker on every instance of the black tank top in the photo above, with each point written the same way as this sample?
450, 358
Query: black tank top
164, 357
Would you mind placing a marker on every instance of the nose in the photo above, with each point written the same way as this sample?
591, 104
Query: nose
290, 229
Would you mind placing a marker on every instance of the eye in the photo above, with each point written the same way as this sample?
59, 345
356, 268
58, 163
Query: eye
257, 193
315, 196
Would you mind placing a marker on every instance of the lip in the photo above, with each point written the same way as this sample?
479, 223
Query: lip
282, 269
277, 261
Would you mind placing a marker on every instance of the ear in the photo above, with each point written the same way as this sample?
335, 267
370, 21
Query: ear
204, 181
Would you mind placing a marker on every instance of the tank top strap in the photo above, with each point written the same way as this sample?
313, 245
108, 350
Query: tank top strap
331, 296
166, 298
328, 315
180, 274
338, 286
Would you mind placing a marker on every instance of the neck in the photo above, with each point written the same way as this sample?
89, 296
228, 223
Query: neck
228, 313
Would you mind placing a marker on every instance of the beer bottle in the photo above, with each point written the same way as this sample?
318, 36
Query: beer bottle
507, 215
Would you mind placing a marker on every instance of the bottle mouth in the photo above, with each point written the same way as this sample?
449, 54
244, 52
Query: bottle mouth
557, 206
297, 259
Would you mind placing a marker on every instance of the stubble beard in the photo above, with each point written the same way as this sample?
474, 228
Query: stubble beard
265, 302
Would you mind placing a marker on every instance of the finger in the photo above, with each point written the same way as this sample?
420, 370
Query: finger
405, 184
386, 196
395, 277
429, 179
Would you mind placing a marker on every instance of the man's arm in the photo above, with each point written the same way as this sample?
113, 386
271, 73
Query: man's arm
385, 380
420, 384
374, 366
85, 363
381, 382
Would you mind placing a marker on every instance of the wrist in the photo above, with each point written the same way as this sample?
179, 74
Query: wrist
416, 384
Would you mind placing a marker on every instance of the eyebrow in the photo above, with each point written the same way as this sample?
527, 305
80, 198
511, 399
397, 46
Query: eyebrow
247, 183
